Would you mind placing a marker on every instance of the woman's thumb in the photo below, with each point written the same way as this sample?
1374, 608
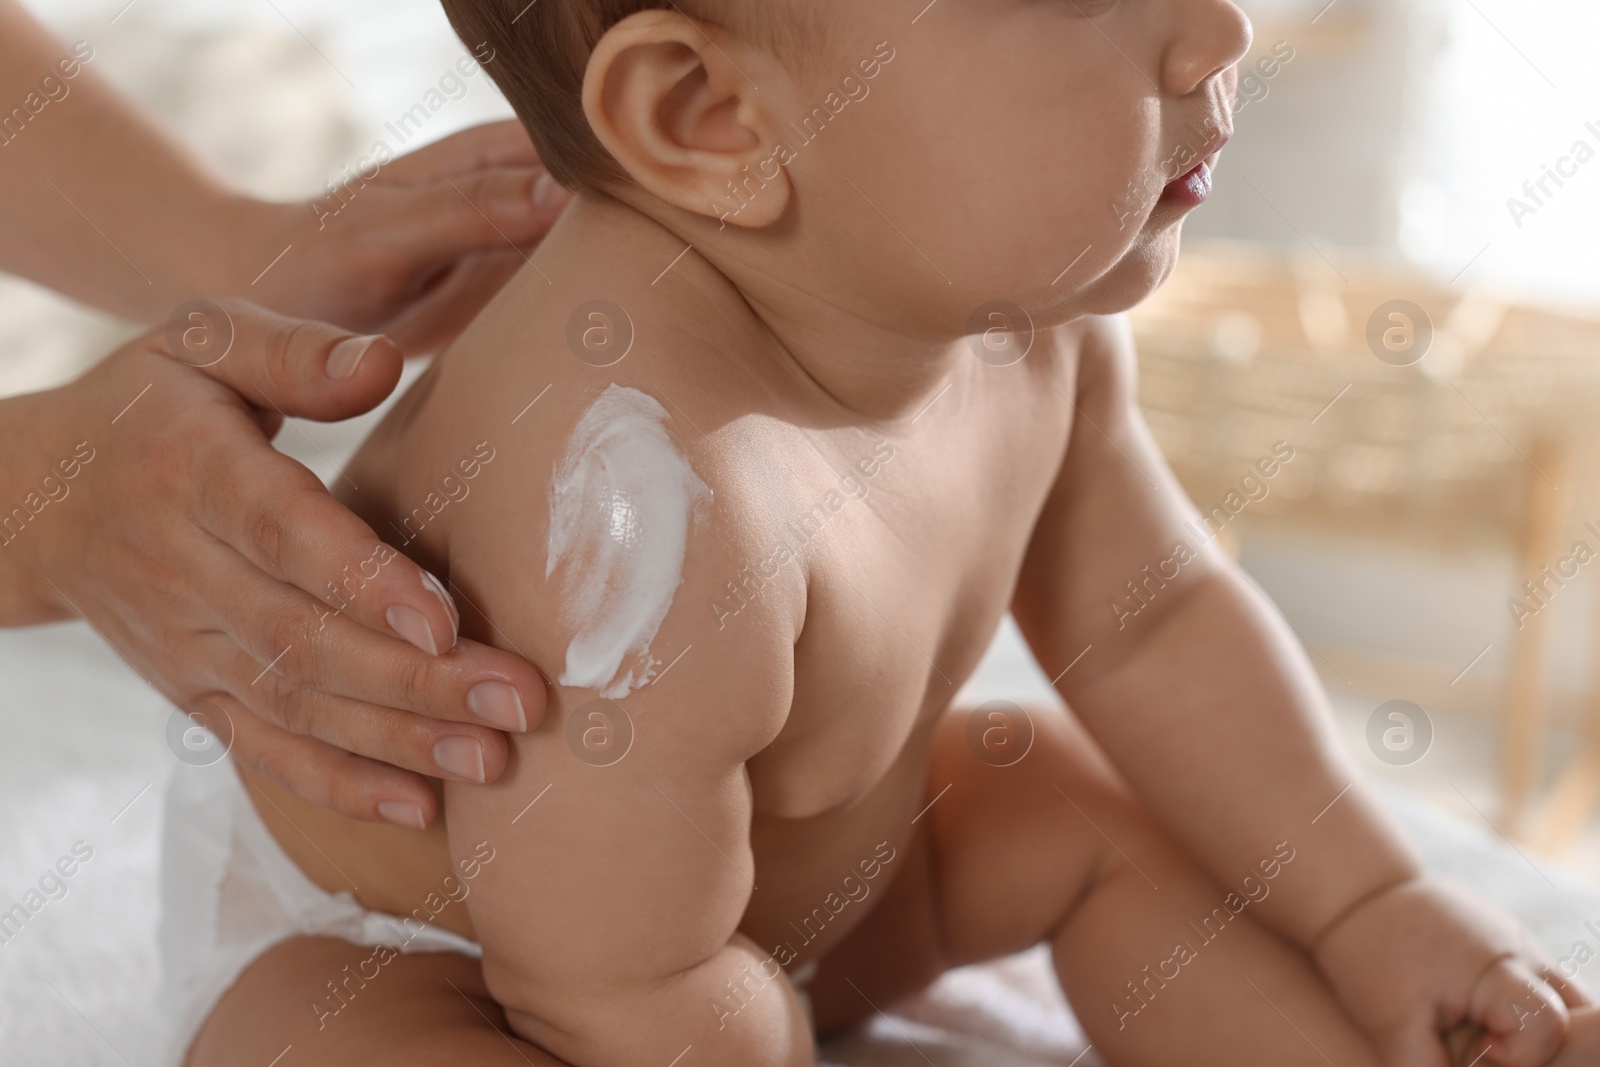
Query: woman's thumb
293, 367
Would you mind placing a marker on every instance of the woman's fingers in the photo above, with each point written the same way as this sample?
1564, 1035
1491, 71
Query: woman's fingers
280, 365
327, 776
451, 303
365, 258
494, 144
192, 523
457, 751
279, 517
302, 642
482, 211
309, 589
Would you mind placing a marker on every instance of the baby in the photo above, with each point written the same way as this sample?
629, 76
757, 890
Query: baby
817, 379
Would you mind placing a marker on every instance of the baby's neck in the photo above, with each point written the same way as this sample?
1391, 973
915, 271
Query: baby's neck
753, 288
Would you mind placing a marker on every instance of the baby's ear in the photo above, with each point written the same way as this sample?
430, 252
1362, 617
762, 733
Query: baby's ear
666, 99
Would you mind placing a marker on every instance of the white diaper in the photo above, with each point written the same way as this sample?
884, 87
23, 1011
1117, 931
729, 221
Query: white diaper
229, 893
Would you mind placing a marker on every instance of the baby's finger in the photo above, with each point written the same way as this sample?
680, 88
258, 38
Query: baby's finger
1526, 1019
1418, 1045
1465, 1043
1573, 993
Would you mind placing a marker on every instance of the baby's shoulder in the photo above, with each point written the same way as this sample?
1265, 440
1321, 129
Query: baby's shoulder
618, 512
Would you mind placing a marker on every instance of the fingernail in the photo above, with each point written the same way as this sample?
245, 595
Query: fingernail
498, 704
436, 587
548, 193
412, 625
346, 357
402, 813
460, 756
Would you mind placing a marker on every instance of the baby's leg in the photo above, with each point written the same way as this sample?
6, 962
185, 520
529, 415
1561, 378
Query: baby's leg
422, 1010
1054, 849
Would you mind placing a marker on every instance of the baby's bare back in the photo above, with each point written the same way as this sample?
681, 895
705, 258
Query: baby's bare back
757, 755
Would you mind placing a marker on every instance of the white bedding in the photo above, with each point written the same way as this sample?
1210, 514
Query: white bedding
84, 759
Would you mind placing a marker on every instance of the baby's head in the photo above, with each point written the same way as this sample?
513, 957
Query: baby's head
904, 159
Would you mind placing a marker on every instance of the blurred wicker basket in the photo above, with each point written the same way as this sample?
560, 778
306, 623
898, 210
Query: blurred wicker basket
1493, 434
1240, 350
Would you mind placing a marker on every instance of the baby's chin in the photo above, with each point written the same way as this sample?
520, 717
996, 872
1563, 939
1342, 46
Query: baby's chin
1141, 270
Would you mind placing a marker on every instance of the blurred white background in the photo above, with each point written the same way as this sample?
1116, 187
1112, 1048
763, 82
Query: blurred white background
1406, 125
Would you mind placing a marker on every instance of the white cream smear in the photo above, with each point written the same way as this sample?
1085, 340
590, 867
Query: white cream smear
622, 503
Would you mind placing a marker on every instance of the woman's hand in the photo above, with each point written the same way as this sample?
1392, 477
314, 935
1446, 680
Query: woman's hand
413, 247
227, 576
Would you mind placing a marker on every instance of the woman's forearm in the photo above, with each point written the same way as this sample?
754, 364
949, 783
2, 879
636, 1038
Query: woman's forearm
104, 207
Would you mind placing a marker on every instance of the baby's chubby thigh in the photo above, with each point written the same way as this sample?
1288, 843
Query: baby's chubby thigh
1021, 810
423, 1010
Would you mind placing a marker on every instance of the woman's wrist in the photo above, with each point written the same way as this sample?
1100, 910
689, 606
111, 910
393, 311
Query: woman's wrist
37, 512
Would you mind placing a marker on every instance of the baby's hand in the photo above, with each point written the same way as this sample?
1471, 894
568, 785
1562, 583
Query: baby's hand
1423, 958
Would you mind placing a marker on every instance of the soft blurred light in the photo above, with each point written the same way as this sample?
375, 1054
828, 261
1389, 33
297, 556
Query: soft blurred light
1514, 89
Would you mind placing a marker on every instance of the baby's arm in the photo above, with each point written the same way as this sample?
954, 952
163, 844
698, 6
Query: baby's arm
1200, 694
1193, 685
609, 915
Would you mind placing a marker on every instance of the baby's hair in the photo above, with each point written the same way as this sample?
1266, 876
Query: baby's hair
541, 51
